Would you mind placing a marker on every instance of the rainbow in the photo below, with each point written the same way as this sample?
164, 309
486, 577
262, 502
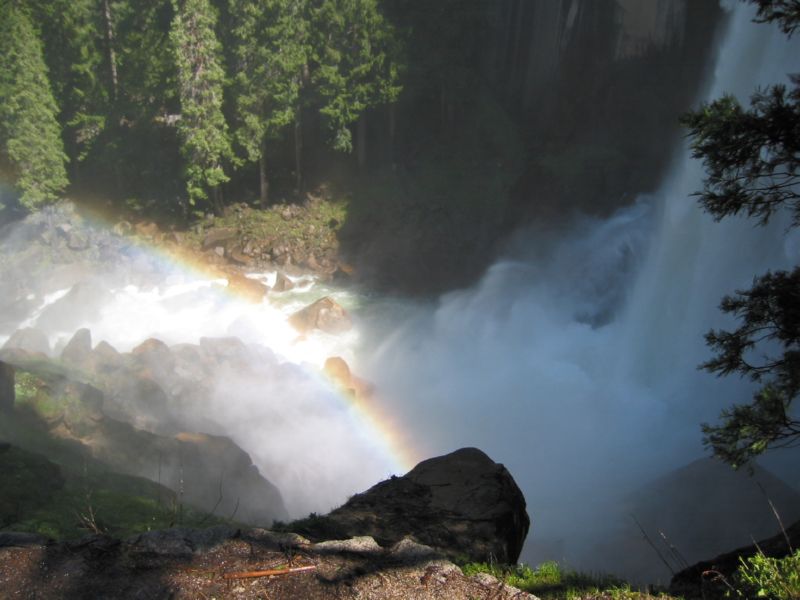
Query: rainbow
371, 415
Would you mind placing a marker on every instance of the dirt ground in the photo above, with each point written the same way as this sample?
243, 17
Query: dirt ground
104, 568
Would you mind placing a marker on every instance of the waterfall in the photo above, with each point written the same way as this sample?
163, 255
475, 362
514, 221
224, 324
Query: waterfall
574, 360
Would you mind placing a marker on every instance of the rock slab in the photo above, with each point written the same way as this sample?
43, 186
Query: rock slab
463, 504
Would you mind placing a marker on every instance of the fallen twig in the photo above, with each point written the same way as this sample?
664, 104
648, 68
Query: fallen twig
268, 572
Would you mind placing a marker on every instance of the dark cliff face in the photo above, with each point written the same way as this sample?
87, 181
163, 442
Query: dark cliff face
516, 112
599, 86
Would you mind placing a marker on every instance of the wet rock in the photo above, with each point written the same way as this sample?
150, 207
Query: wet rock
462, 504
147, 229
210, 462
29, 340
247, 288
153, 359
7, 394
219, 236
325, 314
238, 257
82, 405
337, 369
104, 359
282, 283
79, 348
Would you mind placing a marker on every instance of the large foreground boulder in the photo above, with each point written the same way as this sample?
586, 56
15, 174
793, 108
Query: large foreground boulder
464, 504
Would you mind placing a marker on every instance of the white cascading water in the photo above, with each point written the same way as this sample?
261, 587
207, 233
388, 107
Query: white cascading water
577, 365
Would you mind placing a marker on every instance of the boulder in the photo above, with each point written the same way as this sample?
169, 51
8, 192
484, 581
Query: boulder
29, 340
247, 288
282, 283
79, 349
338, 371
325, 314
220, 236
462, 504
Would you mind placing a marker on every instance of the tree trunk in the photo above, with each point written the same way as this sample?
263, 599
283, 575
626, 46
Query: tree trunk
216, 199
298, 152
112, 56
361, 141
263, 197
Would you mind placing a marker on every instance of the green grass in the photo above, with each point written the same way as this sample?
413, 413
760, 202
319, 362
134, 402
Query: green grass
761, 576
550, 581
54, 487
315, 227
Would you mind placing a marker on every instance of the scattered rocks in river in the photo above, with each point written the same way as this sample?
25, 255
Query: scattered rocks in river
245, 287
79, 348
219, 237
337, 369
282, 283
463, 504
325, 314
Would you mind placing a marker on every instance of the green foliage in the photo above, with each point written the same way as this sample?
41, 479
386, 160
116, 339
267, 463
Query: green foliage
29, 129
73, 38
73, 493
769, 313
751, 156
353, 61
202, 127
761, 576
785, 12
550, 581
752, 161
67, 502
269, 53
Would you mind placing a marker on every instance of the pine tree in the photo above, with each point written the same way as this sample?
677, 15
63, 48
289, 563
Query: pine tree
29, 129
202, 127
268, 38
353, 62
73, 47
752, 161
